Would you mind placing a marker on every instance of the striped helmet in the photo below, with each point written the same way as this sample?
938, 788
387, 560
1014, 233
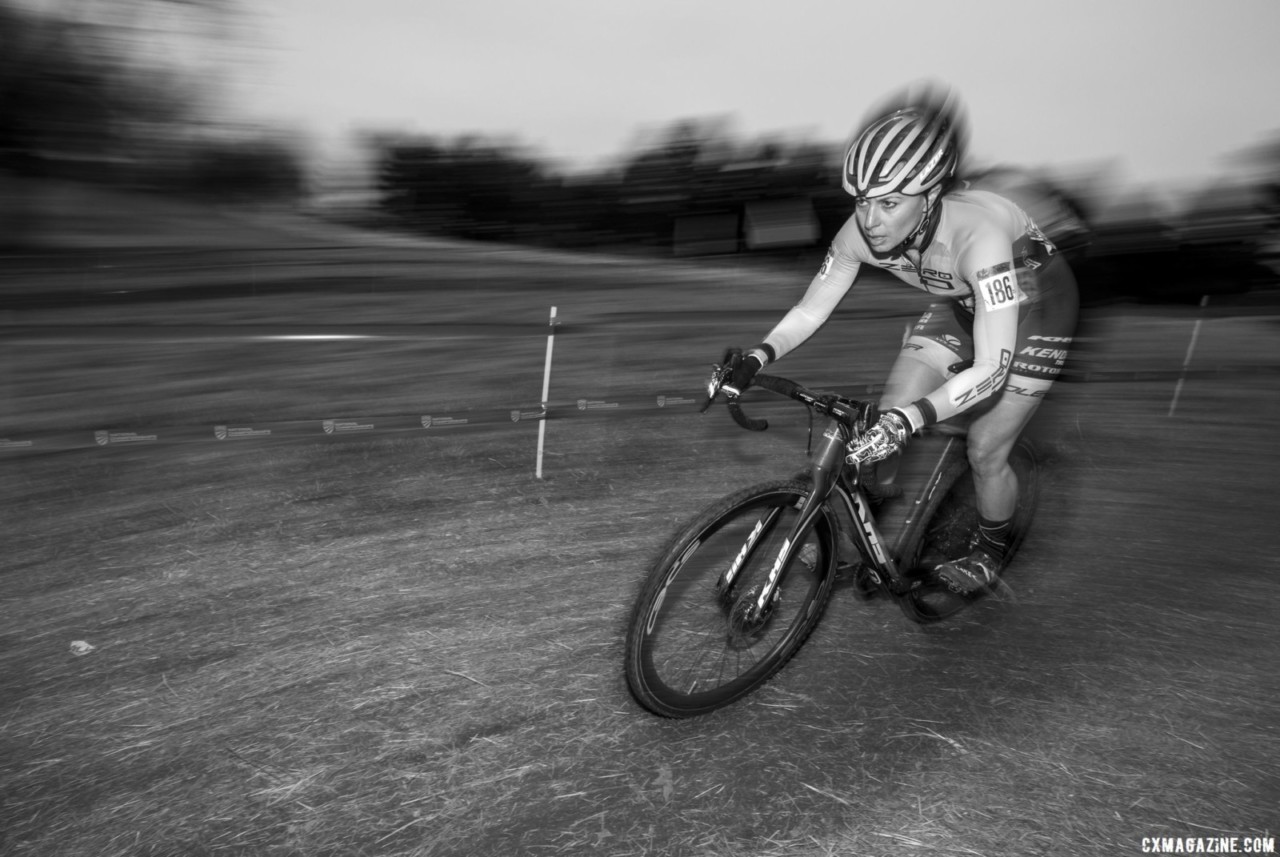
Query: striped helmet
909, 151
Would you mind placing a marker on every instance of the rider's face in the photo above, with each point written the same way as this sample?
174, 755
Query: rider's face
886, 221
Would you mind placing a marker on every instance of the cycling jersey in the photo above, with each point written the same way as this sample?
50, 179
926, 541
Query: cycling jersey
1004, 279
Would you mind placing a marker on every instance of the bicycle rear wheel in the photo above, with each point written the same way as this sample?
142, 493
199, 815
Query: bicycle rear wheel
696, 640
946, 528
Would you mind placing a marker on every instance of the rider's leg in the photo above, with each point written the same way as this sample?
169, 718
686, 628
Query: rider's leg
912, 377
992, 436
920, 368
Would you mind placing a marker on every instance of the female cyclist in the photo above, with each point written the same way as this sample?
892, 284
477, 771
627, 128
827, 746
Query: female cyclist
993, 343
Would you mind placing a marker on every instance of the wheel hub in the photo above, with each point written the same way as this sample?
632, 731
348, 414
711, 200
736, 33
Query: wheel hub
746, 620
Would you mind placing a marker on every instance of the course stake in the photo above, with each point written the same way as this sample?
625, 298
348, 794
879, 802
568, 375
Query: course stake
546, 391
1186, 361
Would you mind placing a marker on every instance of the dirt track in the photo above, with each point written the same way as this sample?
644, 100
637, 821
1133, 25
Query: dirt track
1126, 689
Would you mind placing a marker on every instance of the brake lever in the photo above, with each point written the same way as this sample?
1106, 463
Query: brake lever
719, 375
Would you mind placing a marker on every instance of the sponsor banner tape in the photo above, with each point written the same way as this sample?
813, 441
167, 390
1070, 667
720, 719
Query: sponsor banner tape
452, 420
433, 422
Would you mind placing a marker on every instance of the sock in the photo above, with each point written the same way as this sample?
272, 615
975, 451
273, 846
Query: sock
993, 536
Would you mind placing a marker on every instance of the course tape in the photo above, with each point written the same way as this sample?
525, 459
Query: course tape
437, 422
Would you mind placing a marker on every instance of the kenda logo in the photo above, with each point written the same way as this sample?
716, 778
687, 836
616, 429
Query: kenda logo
1051, 353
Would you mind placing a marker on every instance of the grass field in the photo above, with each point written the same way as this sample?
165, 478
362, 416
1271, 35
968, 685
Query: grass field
408, 645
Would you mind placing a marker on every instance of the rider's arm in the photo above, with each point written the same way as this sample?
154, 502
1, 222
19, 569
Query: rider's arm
988, 267
828, 286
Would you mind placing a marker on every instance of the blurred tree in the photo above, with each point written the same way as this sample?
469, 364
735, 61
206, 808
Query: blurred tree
242, 169
484, 188
83, 82
474, 187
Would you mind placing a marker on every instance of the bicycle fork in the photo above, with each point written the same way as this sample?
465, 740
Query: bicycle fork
827, 462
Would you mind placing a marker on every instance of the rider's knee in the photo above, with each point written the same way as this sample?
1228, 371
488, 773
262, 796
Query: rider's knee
987, 454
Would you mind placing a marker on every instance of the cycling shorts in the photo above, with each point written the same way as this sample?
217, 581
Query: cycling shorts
1046, 326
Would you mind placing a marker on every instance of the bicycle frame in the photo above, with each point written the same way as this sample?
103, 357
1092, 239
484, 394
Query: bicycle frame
740, 587
831, 480
832, 477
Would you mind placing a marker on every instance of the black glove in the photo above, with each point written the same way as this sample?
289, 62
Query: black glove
745, 367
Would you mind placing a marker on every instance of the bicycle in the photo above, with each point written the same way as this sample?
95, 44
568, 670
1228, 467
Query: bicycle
739, 589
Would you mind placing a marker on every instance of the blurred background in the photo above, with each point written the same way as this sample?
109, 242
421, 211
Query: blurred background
1143, 138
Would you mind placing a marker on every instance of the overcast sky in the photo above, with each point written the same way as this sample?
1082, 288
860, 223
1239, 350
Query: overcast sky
1166, 88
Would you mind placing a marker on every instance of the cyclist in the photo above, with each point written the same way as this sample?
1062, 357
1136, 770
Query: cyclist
999, 333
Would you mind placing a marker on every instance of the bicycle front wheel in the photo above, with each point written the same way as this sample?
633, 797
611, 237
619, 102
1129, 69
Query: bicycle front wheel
698, 638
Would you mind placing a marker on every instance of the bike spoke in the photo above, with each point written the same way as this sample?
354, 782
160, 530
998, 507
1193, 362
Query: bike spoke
705, 639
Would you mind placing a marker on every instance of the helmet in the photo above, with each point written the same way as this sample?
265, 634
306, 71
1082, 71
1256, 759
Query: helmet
910, 147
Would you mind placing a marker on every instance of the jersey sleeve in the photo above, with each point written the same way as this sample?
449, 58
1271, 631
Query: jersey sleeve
987, 266
826, 289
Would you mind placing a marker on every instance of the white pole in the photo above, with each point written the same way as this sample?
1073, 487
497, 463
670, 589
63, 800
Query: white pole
1186, 361
546, 390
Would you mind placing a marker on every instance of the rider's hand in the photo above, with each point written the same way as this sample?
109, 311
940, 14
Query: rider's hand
887, 437
745, 367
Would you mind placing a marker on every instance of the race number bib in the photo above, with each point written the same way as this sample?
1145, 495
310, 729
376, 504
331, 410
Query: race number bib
998, 287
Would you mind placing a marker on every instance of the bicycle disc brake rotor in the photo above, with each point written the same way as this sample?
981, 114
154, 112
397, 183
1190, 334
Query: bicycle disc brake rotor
746, 621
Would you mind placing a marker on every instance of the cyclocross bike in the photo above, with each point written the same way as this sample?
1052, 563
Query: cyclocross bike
738, 590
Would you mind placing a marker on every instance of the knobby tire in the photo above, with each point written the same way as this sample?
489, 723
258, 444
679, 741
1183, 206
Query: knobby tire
692, 645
